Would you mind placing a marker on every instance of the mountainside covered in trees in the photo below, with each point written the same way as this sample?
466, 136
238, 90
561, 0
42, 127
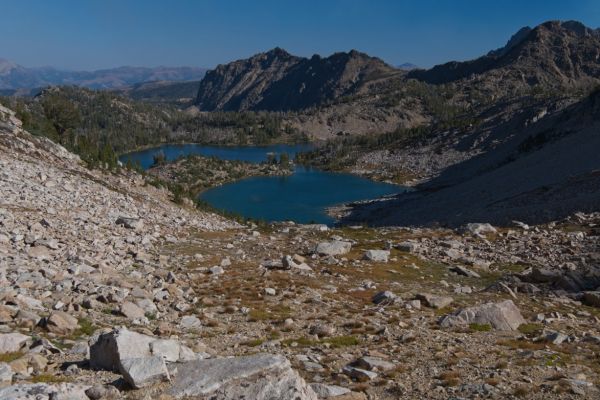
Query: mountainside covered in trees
99, 124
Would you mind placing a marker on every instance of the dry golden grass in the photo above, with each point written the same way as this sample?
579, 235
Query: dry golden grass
450, 378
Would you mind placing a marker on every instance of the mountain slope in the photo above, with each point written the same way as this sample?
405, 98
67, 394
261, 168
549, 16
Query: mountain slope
279, 81
541, 173
13, 76
553, 54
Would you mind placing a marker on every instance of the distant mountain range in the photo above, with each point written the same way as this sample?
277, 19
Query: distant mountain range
407, 66
15, 77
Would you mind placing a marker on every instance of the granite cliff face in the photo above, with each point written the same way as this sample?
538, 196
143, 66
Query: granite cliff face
279, 81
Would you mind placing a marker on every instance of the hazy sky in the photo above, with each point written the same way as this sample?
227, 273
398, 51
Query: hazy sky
88, 34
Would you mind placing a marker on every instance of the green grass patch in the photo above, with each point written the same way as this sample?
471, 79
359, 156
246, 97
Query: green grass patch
258, 315
48, 378
530, 329
86, 328
474, 327
253, 343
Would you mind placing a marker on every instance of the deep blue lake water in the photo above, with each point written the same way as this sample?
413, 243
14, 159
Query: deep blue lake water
301, 197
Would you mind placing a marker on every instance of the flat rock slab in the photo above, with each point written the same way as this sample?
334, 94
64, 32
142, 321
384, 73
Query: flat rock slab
374, 363
433, 301
141, 372
504, 316
326, 391
43, 391
257, 377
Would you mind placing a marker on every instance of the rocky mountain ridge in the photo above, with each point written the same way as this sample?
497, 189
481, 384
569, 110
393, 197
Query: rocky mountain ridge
279, 81
553, 54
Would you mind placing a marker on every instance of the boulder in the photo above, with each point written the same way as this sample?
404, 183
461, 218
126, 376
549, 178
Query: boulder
503, 316
289, 262
592, 298
112, 347
257, 377
12, 342
132, 311
103, 392
144, 371
377, 255
543, 275
374, 363
130, 223
385, 297
190, 322
433, 301
61, 323
409, 247
333, 248
359, 374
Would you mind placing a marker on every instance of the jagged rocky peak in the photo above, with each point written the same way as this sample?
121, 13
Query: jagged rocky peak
555, 54
512, 42
277, 80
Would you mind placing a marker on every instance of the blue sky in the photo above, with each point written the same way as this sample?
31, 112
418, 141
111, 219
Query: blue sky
92, 34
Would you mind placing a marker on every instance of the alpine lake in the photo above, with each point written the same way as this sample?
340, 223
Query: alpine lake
302, 197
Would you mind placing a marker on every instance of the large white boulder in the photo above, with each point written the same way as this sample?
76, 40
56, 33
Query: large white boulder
333, 248
504, 316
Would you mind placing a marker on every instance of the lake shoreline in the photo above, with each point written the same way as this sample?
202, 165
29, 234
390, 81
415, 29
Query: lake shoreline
236, 179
